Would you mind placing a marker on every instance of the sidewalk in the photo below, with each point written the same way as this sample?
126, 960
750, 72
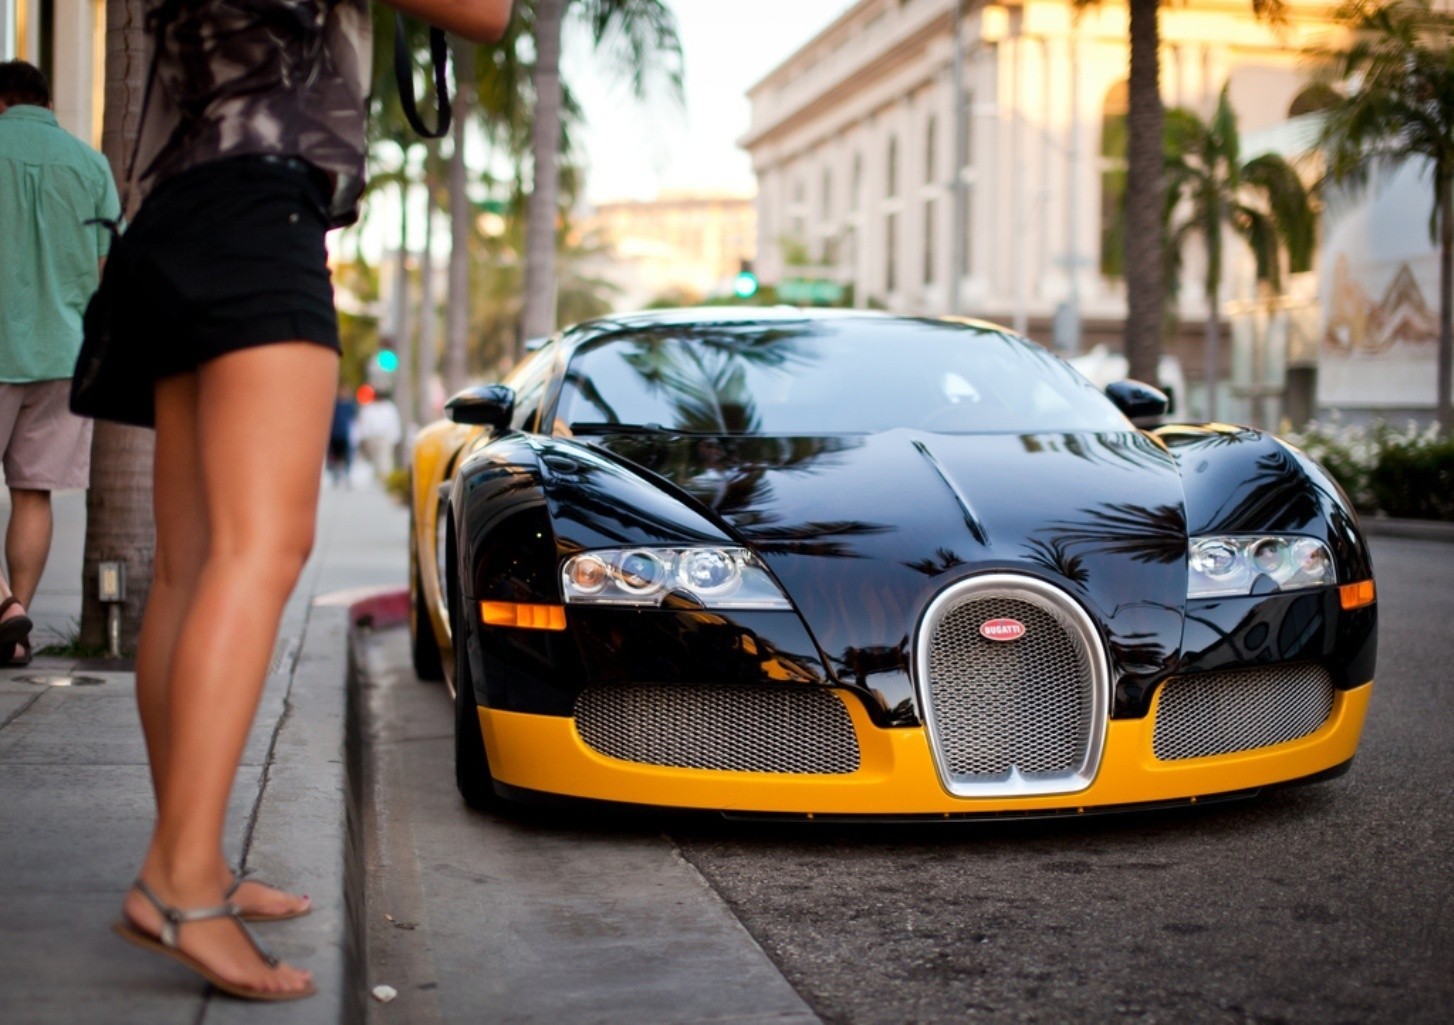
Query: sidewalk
76, 806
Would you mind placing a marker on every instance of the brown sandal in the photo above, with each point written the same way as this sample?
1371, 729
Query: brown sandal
166, 943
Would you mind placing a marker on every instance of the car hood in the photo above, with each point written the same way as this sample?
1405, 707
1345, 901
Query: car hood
863, 531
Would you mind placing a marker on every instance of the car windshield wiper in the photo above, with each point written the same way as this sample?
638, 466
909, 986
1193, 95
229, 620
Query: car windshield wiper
606, 427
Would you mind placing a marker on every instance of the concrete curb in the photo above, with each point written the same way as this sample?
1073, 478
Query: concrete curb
303, 830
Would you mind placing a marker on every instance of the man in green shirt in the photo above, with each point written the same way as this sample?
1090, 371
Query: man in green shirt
51, 186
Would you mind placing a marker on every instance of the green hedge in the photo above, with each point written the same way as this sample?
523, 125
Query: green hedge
1415, 481
1408, 473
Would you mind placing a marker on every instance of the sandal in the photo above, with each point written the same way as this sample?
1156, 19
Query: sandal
239, 876
25, 654
166, 943
16, 629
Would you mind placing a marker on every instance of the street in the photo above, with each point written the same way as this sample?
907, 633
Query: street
1322, 904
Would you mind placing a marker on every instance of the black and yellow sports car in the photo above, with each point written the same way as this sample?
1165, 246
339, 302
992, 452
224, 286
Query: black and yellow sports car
829, 564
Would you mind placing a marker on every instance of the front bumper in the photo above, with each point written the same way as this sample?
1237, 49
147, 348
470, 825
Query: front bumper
897, 774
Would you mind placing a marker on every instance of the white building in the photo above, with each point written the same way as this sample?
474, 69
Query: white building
859, 148
66, 40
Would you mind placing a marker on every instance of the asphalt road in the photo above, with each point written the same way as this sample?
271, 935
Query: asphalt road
1326, 904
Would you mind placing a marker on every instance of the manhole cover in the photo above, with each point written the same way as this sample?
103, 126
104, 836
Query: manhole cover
59, 680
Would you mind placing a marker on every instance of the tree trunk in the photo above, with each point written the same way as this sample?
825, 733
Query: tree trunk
1213, 344
461, 228
538, 316
119, 524
1446, 306
428, 353
403, 332
1145, 188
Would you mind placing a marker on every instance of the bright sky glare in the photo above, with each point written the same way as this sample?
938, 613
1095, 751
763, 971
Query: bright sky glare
636, 150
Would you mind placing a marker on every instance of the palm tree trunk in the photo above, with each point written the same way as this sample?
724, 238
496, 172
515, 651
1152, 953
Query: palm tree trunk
461, 223
538, 316
119, 523
428, 353
1213, 341
1145, 187
1446, 305
403, 332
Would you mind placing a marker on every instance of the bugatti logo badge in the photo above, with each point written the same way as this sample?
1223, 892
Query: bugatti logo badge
1002, 629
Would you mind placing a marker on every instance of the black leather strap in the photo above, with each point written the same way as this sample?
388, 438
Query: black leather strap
404, 74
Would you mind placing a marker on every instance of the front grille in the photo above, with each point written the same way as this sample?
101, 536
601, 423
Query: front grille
1013, 717
1217, 713
742, 728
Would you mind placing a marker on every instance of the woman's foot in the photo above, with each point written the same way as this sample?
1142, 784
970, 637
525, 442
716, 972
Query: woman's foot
216, 947
260, 902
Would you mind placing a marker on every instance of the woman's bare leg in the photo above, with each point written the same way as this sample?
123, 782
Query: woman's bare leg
261, 417
180, 503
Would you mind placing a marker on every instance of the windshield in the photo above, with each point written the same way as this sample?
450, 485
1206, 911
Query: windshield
854, 375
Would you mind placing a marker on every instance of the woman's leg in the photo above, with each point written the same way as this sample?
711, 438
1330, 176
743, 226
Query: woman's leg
180, 503
262, 417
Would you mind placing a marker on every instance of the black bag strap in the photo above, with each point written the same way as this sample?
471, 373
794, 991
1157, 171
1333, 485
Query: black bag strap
404, 73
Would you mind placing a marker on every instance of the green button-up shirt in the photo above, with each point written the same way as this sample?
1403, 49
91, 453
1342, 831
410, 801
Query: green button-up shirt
51, 183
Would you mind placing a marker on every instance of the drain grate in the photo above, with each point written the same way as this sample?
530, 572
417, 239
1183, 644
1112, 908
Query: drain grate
62, 680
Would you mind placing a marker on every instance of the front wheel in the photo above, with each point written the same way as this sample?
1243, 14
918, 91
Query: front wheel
471, 763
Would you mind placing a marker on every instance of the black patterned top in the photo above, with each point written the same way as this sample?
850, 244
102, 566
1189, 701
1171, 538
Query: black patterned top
283, 77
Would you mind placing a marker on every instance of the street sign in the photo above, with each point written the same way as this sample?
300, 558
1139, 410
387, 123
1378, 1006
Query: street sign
810, 291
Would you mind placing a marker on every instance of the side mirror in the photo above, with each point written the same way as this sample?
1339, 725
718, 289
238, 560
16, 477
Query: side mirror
491, 405
1138, 401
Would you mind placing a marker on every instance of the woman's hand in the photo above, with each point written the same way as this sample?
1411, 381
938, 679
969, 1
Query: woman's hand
482, 21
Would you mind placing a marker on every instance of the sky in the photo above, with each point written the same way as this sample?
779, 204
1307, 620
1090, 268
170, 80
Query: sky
636, 150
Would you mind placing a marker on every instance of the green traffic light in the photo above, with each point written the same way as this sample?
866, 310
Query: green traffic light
745, 286
387, 360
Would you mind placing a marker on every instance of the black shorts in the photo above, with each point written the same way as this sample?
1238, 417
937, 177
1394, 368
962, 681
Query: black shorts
224, 256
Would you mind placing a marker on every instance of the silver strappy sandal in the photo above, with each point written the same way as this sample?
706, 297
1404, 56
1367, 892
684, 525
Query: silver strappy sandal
240, 876
166, 943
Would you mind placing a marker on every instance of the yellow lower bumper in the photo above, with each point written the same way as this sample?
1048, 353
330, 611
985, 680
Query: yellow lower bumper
897, 774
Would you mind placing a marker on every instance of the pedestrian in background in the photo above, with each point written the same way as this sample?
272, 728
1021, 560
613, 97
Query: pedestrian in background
54, 193
340, 437
251, 148
379, 433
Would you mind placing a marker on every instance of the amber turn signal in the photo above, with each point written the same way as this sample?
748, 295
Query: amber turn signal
526, 617
1355, 596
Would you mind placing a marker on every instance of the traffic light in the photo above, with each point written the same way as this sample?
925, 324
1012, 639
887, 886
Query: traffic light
381, 370
745, 286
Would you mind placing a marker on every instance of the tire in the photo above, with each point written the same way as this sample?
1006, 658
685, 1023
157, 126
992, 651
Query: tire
423, 645
471, 763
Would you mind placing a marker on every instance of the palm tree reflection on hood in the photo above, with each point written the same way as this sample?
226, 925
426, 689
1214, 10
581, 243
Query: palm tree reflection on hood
704, 377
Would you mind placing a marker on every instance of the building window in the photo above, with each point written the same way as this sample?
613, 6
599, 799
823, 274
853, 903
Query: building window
891, 248
929, 242
855, 189
929, 142
1113, 181
892, 188
827, 193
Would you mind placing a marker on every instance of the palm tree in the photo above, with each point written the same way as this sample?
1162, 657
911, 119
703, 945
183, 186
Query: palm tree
642, 36
1262, 201
119, 525
1399, 63
1144, 260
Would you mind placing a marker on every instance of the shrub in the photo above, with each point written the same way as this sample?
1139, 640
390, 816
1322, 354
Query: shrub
1399, 473
1415, 481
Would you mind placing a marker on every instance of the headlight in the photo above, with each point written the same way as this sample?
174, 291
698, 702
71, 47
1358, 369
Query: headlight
1256, 565
717, 578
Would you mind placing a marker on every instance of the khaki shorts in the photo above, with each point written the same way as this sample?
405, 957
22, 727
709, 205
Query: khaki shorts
46, 446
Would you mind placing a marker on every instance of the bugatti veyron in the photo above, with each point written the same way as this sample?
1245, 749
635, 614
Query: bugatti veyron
785, 562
